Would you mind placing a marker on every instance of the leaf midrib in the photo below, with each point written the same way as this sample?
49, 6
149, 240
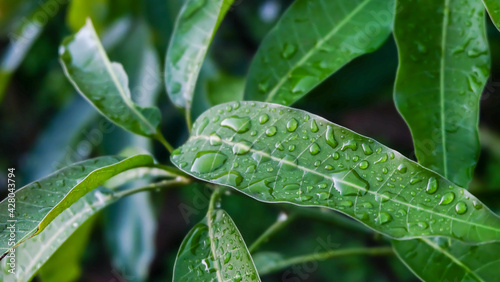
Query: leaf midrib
126, 99
313, 50
262, 153
444, 32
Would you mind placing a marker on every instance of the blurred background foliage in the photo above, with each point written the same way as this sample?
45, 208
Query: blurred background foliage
45, 124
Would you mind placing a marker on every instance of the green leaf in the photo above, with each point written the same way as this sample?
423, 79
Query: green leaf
214, 251
493, 8
194, 30
65, 263
37, 250
439, 259
444, 65
38, 203
279, 154
312, 40
105, 84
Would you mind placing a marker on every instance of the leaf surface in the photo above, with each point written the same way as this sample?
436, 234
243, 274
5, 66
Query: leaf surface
440, 259
214, 251
279, 154
493, 8
105, 84
444, 65
194, 30
311, 41
38, 203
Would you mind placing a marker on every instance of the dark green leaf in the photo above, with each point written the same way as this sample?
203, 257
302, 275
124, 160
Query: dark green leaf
440, 259
105, 84
194, 30
311, 41
214, 251
38, 203
279, 154
493, 8
444, 65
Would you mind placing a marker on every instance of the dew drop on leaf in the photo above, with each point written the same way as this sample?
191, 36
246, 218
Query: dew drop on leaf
208, 161
237, 124
314, 149
432, 186
447, 198
330, 138
461, 207
292, 124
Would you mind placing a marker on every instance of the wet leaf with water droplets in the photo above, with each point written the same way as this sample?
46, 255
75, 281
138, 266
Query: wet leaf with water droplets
384, 179
46, 198
214, 251
104, 83
296, 56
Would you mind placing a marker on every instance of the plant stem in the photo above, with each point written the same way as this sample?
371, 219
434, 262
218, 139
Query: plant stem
188, 119
154, 186
272, 230
213, 199
375, 251
165, 143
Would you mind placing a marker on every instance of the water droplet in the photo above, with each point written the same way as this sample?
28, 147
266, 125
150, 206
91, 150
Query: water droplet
402, 168
262, 187
432, 186
350, 144
288, 50
227, 257
415, 180
477, 205
242, 147
292, 124
208, 161
237, 124
366, 149
384, 196
461, 207
336, 156
262, 157
271, 131
314, 126
447, 198
382, 159
363, 165
215, 139
349, 183
291, 187
232, 178
330, 138
263, 118
291, 148
324, 195
383, 218
314, 149
201, 126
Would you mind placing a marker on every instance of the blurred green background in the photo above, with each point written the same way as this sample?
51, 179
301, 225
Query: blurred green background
45, 124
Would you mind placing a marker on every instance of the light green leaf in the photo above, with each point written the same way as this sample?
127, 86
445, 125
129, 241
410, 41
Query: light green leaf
80, 10
214, 251
65, 264
312, 40
439, 259
194, 30
38, 203
493, 8
279, 154
444, 65
105, 84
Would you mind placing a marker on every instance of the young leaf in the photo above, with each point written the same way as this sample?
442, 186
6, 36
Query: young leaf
194, 30
214, 251
441, 75
105, 84
439, 259
312, 40
279, 154
38, 203
493, 8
